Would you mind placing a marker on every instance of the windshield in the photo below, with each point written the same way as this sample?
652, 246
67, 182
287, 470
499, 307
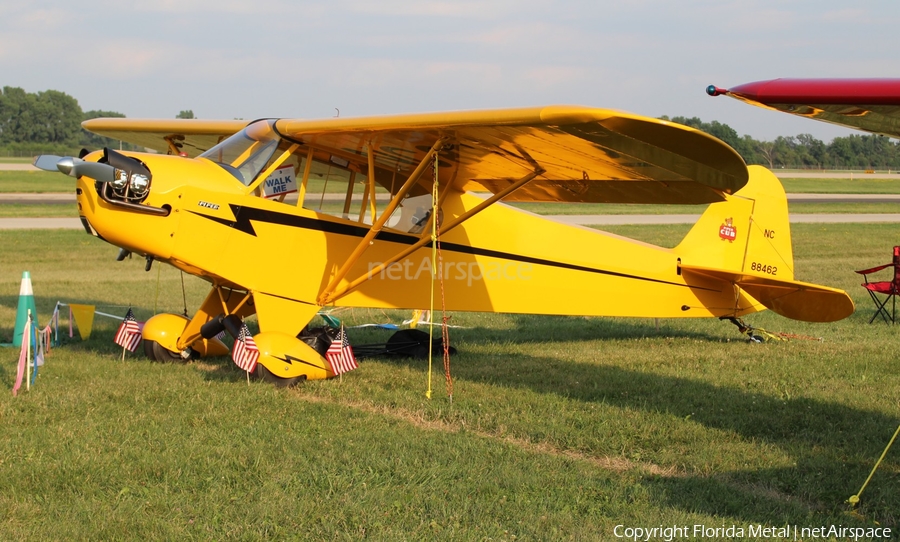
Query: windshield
247, 152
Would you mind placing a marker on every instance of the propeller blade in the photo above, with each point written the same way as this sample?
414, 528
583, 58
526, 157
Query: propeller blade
104, 173
47, 162
76, 167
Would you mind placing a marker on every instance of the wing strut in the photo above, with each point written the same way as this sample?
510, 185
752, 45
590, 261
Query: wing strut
327, 296
330, 296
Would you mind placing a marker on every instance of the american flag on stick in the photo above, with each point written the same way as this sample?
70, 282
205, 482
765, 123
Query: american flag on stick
128, 335
245, 353
340, 354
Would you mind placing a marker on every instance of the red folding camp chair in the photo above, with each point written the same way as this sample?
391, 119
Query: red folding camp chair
889, 289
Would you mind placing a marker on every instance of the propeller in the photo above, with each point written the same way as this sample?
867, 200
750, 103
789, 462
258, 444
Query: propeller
76, 167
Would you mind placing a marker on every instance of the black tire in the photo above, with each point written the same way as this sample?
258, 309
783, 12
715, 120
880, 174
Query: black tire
413, 343
316, 338
156, 352
266, 376
408, 343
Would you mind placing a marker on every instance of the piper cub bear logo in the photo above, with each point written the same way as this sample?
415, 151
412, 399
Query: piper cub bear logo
728, 231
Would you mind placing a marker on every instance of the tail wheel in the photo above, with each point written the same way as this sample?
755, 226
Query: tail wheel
267, 376
156, 352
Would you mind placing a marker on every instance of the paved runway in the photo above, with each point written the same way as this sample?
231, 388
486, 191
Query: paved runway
17, 167
40, 224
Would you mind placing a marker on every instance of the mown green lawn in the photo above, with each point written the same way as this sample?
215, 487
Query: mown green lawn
560, 428
48, 181
14, 182
857, 185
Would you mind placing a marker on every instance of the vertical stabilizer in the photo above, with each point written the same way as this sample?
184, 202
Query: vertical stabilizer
749, 233
746, 241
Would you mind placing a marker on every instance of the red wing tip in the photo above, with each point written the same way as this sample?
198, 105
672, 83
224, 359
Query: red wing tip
713, 90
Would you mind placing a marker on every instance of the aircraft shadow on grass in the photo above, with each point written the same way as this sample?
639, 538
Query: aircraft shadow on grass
531, 328
833, 446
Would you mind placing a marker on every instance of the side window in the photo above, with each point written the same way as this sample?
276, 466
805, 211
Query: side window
332, 186
335, 185
338, 187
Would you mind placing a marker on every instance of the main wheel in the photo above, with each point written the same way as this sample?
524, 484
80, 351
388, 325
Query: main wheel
267, 376
157, 353
317, 338
413, 343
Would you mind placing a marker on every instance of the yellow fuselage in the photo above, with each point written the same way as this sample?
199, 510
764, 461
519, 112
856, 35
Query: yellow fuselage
501, 260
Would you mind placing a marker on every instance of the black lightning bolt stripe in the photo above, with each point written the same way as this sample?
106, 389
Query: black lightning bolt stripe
289, 359
243, 216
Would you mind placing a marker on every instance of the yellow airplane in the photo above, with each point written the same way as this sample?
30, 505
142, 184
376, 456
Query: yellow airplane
251, 208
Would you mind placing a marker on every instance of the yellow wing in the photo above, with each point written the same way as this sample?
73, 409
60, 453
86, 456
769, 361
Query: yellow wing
582, 154
190, 136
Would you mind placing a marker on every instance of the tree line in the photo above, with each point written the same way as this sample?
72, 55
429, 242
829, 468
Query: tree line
50, 121
804, 150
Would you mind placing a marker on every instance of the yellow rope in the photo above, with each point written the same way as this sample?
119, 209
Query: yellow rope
855, 498
434, 203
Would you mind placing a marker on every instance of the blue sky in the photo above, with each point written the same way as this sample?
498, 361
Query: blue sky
281, 58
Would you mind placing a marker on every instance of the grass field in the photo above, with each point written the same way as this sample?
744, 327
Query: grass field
35, 182
16, 159
560, 428
46, 181
841, 186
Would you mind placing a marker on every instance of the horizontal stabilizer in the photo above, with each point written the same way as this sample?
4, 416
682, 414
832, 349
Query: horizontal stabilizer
791, 299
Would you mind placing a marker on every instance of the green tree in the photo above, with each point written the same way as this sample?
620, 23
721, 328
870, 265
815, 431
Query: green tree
48, 117
745, 146
804, 150
15, 115
185, 114
767, 152
814, 151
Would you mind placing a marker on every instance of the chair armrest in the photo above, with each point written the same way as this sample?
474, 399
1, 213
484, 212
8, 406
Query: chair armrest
874, 269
